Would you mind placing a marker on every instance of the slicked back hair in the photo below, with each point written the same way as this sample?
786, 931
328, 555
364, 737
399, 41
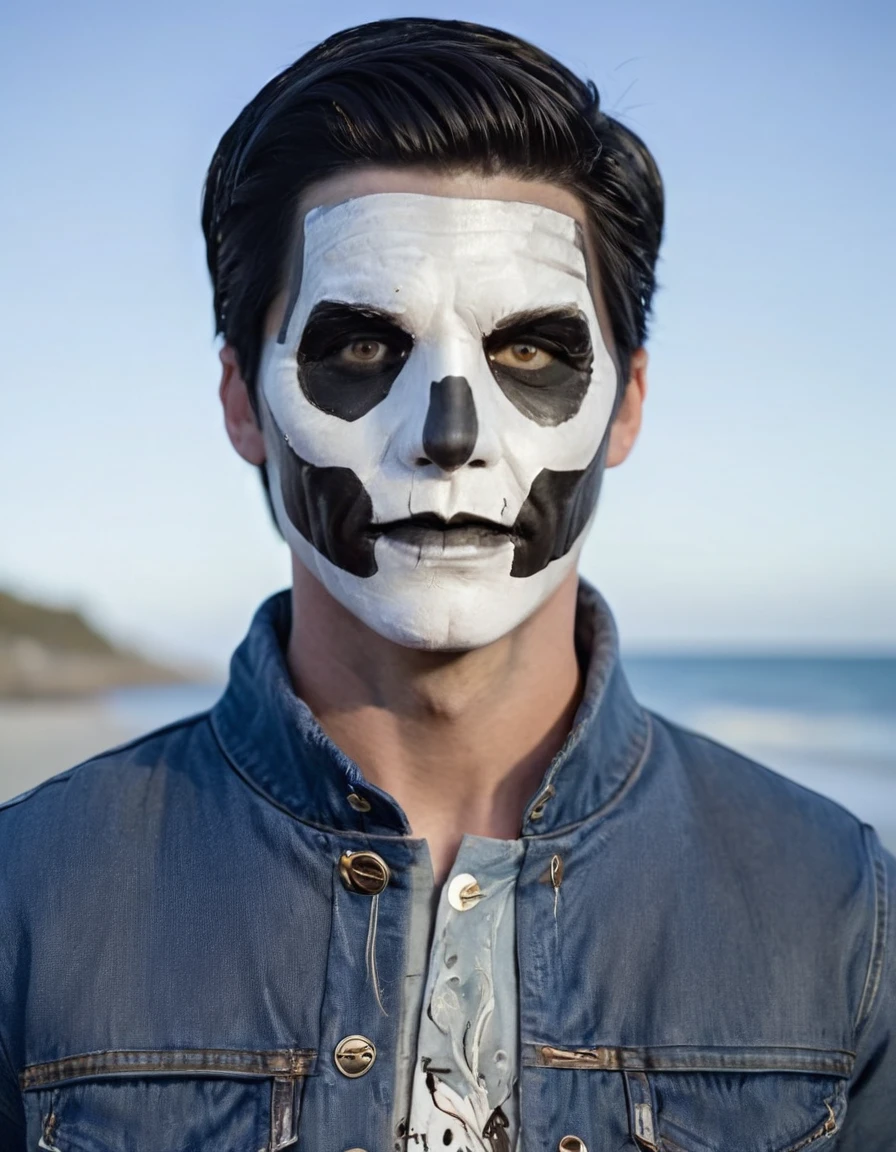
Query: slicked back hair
423, 93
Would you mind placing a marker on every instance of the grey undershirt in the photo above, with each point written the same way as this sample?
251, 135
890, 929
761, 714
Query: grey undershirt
465, 1077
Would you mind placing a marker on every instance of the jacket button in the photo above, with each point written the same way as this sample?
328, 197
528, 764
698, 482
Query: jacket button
464, 892
364, 872
572, 1144
359, 803
354, 1056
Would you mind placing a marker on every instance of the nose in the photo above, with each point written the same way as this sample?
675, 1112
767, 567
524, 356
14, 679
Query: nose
451, 426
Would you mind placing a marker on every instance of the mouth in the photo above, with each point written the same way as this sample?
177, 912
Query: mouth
427, 530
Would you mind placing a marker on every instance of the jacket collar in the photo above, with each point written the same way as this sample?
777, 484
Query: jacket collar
274, 742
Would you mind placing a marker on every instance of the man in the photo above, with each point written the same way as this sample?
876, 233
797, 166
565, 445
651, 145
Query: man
427, 876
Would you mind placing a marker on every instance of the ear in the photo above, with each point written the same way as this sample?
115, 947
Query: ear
239, 415
627, 424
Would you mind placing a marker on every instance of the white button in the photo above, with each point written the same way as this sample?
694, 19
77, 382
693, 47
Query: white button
464, 891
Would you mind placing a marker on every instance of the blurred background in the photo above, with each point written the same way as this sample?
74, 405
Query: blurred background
747, 548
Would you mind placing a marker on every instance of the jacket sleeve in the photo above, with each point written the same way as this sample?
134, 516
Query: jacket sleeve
12, 1114
870, 1124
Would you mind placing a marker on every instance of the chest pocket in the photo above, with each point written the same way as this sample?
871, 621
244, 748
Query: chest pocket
690, 1099
166, 1101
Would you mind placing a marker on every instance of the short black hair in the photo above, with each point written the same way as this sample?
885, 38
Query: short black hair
424, 93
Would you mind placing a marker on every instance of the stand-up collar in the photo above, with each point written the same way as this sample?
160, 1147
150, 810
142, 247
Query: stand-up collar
273, 740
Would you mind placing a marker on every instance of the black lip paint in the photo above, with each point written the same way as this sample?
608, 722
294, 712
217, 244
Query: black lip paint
428, 530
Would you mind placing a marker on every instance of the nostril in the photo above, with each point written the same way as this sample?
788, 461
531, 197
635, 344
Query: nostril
422, 461
477, 463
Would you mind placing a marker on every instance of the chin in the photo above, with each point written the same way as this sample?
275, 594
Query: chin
443, 608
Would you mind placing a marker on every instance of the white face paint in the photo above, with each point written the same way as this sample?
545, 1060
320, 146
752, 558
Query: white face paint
435, 412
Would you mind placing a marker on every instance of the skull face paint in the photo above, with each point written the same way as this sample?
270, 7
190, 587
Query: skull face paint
435, 410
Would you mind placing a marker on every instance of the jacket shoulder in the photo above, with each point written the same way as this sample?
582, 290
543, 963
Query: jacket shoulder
742, 792
85, 795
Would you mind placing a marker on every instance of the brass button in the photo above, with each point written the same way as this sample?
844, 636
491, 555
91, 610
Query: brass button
464, 891
359, 803
572, 1144
364, 872
540, 804
354, 1056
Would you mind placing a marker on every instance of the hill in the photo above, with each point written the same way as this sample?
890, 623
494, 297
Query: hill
48, 651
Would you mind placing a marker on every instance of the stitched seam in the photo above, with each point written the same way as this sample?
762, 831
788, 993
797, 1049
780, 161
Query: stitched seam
878, 939
671, 1059
263, 794
618, 796
148, 1062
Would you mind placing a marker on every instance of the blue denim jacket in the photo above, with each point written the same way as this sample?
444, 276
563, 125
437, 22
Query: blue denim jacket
181, 956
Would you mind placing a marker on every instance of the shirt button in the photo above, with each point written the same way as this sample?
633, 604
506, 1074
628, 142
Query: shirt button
359, 803
364, 872
464, 891
354, 1056
572, 1144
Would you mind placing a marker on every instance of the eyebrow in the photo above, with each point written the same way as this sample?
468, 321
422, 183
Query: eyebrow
565, 327
334, 317
532, 317
337, 312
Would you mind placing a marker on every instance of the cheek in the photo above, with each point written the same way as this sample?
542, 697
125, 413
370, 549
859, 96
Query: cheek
328, 506
530, 446
555, 514
317, 437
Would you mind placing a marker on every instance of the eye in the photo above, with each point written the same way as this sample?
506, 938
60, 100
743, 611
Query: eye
363, 353
524, 354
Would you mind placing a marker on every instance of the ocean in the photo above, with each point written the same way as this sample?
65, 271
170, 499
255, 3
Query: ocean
829, 723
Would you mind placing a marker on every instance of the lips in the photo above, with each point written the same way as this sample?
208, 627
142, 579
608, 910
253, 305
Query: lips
428, 530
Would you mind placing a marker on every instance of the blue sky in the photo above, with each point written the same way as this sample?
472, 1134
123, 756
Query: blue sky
757, 511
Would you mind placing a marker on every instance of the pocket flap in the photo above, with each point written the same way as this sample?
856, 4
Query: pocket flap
138, 1100
700, 1099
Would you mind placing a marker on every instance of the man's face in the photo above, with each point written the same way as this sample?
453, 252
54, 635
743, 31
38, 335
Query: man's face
435, 408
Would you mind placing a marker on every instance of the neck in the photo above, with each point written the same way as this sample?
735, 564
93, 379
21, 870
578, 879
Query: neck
460, 740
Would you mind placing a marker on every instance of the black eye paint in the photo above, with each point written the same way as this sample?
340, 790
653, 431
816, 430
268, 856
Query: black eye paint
332, 383
330, 507
553, 394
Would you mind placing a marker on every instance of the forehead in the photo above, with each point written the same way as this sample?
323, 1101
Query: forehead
394, 248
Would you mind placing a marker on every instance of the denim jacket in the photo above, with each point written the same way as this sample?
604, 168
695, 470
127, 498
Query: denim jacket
184, 930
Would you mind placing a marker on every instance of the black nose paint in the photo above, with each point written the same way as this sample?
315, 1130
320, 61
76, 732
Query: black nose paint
451, 427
